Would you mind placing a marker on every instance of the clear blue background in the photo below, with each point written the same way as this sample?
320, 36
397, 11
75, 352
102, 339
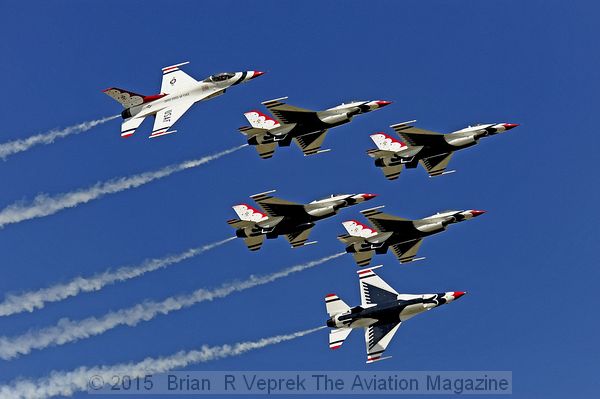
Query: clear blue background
530, 264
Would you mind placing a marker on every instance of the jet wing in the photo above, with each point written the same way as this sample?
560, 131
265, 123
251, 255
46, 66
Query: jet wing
384, 222
406, 251
373, 289
418, 137
310, 144
436, 165
298, 239
166, 117
290, 114
377, 338
174, 79
254, 243
274, 206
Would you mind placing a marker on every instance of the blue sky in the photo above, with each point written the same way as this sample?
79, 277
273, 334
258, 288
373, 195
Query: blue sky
529, 264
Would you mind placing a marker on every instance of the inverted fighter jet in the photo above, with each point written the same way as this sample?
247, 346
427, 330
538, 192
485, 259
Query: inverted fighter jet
403, 236
432, 149
178, 92
290, 219
381, 312
307, 128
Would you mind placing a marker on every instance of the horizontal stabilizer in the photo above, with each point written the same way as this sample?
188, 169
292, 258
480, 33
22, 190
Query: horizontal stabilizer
129, 126
266, 151
335, 305
239, 224
251, 131
338, 336
254, 243
348, 239
161, 133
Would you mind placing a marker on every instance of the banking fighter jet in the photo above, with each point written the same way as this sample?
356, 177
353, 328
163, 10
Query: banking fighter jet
305, 127
433, 150
178, 92
402, 236
290, 219
381, 312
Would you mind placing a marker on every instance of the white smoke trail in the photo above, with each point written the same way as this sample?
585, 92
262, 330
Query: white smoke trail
66, 383
29, 301
67, 330
13, 147
44, 205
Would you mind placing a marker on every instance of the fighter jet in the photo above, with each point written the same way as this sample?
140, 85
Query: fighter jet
307, 128
291, 219
432, 149
381, 312
403, 236
178, 92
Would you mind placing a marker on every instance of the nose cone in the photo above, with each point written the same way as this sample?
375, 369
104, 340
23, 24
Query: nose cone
454, 295
330, 322
476, 213
382, 103
508, 126
458, 294
368, 196
254, 74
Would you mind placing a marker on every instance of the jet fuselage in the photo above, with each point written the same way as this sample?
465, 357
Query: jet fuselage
211, 87
274, 226
381, 241
321, 120
457, 140
399, 310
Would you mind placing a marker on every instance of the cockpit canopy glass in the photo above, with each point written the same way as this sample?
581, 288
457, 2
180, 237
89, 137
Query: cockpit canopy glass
332, 196
446, 211
220, 77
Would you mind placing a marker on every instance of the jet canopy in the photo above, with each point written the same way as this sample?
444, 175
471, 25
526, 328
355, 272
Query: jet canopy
221, 77
353, 103
328, 197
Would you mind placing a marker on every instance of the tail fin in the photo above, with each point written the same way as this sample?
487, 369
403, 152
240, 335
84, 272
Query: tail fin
127, 98
247, 213
387, 143
261, 121
357, 229
335, 305
338, 336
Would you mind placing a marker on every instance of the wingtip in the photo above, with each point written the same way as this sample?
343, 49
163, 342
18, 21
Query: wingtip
367, 269
263, 193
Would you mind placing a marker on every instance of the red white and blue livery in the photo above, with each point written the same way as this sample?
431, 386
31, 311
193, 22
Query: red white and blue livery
380, 314
178, 92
